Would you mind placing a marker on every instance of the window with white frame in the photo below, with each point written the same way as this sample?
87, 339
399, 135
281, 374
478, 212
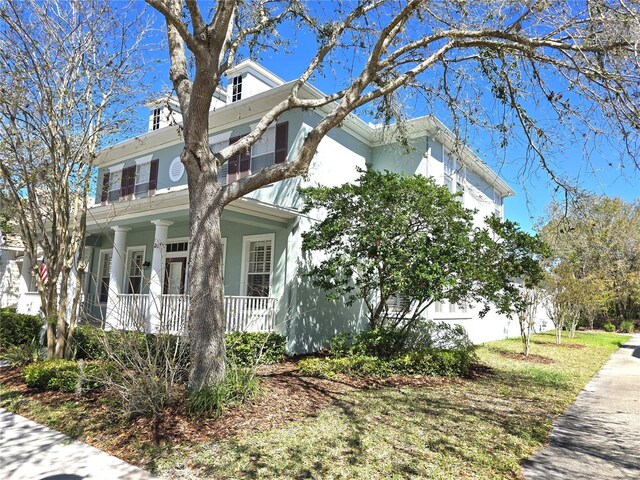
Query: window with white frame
156, 118
104, 276
497, 203
217, 143
452, 308
258, 265
236, 88
135, 273
449, 172
398, 303
438, 307
143, 174
263, 151
115, 184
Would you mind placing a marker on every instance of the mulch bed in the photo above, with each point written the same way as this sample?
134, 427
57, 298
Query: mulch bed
533, 358
561, 345
286, 396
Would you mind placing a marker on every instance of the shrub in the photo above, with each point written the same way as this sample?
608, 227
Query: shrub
20, 355
240, 385
243, 348
18, 329
62, 375
246, 349
88, 343
609, 327
426, 362
390, 342
425, 348
627, 326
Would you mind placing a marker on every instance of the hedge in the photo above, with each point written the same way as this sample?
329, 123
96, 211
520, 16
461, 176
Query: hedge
243, 348
61, 375
18, 329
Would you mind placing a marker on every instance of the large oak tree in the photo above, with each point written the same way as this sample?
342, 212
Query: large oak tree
575, 61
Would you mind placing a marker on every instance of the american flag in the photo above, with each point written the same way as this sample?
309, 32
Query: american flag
44, 274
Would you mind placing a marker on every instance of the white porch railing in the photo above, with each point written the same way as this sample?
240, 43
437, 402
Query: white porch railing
132, 311
246, 314
174, 311
250, 314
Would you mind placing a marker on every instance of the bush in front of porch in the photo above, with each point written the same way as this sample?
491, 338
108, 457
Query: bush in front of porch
18, 329
148, 372
244, 349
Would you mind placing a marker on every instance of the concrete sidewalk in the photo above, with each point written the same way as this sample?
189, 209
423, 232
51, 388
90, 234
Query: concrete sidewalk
599, 435
34, 452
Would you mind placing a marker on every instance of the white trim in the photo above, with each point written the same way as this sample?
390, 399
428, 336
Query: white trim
178, 254
116, 168
101, 254
224, 255
220, 137
145, 159
128, 264
246, 240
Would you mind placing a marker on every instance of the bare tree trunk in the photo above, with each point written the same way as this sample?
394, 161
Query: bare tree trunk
206, 285
558, 334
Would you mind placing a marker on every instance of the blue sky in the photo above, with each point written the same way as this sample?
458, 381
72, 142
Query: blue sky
593, 164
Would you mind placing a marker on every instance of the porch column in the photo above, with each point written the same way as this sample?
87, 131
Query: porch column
157, 271
117, 274
25, 274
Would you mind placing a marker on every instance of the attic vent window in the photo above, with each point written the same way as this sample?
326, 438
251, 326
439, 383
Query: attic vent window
236, 90
156, 119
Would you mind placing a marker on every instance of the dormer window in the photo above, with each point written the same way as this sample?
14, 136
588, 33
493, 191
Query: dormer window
156, 119
236, 90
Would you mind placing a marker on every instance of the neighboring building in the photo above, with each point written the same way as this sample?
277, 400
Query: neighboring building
138, 229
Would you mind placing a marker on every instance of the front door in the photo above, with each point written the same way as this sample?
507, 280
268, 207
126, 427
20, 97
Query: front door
175, 270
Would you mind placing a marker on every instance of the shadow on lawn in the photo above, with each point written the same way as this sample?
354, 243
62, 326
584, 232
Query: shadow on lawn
404, 426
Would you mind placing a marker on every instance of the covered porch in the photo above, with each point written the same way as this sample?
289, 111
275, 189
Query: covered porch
138, 277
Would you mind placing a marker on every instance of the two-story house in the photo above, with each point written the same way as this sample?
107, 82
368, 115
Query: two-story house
138, 229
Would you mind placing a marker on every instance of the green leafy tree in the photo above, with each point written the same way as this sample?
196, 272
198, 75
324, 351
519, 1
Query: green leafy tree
595, 261
399, 243
514, 260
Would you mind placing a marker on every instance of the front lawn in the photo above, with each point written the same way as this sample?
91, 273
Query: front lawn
480, 427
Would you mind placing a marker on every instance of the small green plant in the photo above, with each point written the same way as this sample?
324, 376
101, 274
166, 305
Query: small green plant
239, 386
62, 375
18, 329
627, 326
247, 349
609, 327
20, 355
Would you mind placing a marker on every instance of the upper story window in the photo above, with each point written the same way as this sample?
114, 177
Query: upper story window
497, 203
126, 183
155, 125
270, 149
236, 88
143, 175
454, 174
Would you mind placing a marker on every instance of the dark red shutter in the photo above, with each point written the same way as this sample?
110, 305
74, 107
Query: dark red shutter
128, 181
282, 137
245, 163
234, 162
104, 195
153, 176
